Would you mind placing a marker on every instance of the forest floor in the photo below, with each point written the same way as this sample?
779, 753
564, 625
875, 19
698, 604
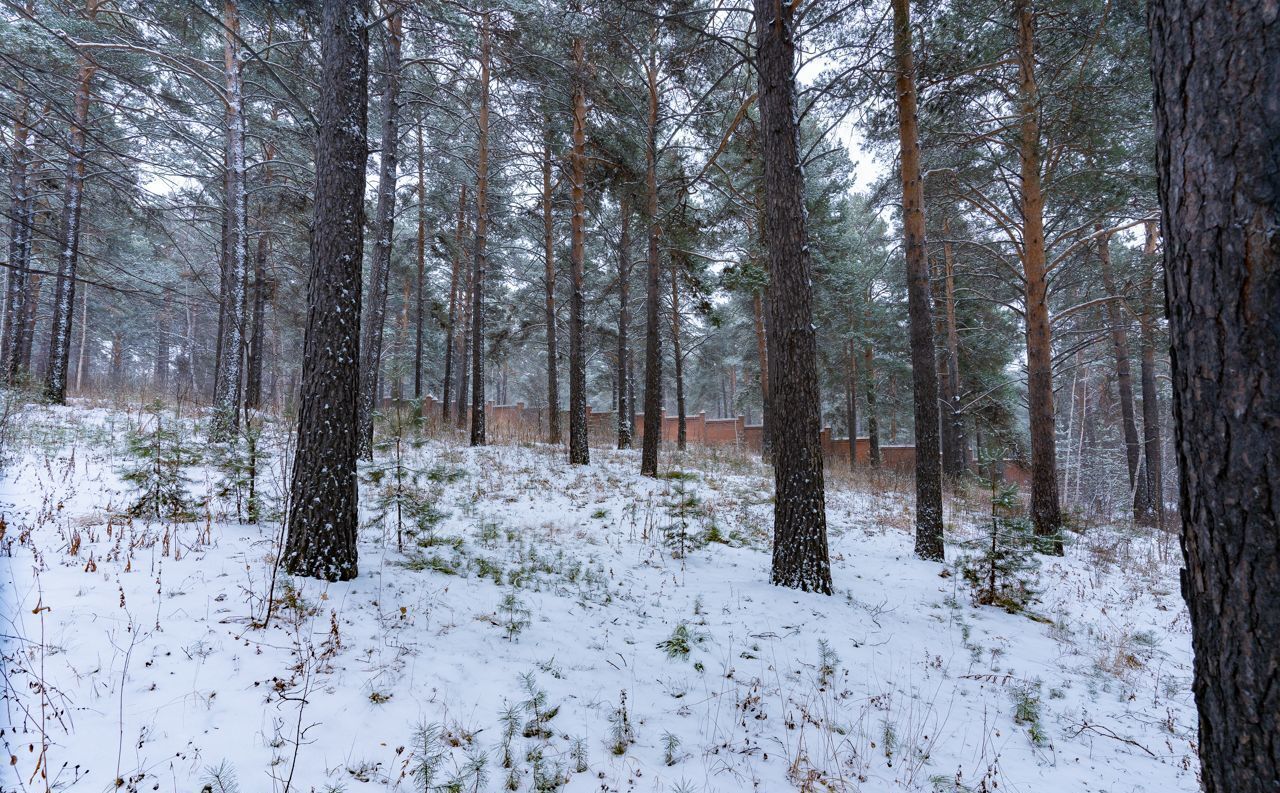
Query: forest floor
548, 627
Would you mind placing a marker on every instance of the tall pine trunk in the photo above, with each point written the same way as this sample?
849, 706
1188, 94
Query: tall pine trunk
1216, 68
579, 452
1153, 465
21, 209
677, 356
924, 373
625, 413
64, 296
800, 558
478, 434
873, 417
956, 457
1124, 381
455, 298
1046, 514
549, 290
420, 290
227, 386
851, 404
323, 506
383, 230
652, 437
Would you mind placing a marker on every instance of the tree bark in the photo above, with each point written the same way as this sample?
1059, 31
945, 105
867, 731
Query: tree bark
420, 291
625, 411
549, 290
1124, 381
21, 208
227, 387
677, 357
800, 557
455, 276
873, 420
652, 439
384, 231
762, 356
924, 373
579, 452
64, 297
160, 372
851, 405
323, 503
956, 461
1153, 465
1046, 514
1216, 68
478, 434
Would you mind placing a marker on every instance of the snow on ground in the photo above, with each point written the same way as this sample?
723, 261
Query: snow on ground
549, 617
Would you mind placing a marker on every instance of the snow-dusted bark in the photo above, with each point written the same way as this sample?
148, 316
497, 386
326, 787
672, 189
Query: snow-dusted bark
924, 371
626, 410
235, 261
579, 452
323, 516
651, 439
800, 557
55, 380
384, 229
549, 289
21, 207
480, 253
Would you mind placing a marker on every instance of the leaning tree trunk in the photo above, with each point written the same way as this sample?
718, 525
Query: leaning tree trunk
579, 452
652, 436
625, 414
800, 557
1124, 380
323, 505
64, 296
227, 386
549, 290
924, 372
478, 434
1046, 514
384, 230
1216, 68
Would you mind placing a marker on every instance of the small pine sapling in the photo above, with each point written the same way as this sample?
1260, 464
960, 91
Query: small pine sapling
621, 733
240, 461
1003, 565
158, 457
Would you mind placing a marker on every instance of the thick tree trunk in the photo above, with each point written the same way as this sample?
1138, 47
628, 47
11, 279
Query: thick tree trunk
1124, 381
625, 411
384, 231
924, 373
455, 287
480, 254
227, 386
579, 452
652, 438
1216, 68
64, 297
800, 557
323, 507
1046, 514
549, 290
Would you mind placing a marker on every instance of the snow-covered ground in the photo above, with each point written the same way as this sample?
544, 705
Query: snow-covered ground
550, 618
